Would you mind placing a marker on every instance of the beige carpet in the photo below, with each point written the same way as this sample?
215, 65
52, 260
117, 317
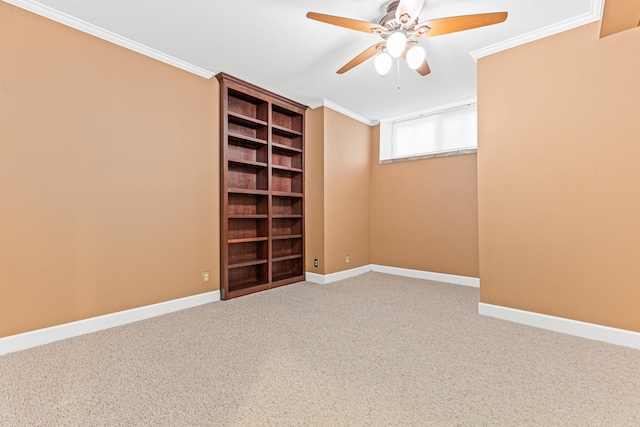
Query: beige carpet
375, 350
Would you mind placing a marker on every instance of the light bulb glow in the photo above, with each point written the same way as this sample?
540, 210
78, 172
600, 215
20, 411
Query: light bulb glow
396, 44
415, 57
383, 63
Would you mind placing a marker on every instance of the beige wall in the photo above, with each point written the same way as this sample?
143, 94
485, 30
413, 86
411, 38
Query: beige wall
347, 199
314, 190
559, 205
619, 15
424, 213
337, 196
419, 214
108, 176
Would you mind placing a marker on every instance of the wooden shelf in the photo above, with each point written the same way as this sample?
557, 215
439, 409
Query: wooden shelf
238, 289
248, 191
238, 286
285, 131
286, 168
288, 257
262, 189
286, 147
248, 162
289, 236
244, 139
248, 240
247, 121
247, 263
285, 194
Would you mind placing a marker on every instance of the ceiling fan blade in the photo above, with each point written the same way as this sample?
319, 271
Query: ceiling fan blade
352, 24
423, 69
368, 53
408, 11
453, 24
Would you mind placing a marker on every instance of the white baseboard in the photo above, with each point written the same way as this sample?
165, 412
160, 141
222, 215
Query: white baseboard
314, 278
416, 274
591, 331
474, 282
38, 337
334, 277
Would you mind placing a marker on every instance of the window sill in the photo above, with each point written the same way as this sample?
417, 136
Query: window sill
431, 156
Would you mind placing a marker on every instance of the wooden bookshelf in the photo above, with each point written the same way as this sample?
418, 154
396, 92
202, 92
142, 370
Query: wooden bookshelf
262, 189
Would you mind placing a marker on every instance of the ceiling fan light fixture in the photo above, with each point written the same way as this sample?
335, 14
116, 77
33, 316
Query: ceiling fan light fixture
415, 57
396, 43
400, 27
383, 63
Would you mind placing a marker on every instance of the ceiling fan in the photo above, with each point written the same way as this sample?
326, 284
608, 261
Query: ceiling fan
400, 32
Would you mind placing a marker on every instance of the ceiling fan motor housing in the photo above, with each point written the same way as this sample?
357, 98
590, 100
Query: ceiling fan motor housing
389, 20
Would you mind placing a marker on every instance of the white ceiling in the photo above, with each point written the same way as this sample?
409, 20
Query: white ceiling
273, 45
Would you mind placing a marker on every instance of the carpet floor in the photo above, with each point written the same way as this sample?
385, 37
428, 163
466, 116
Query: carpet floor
373, 350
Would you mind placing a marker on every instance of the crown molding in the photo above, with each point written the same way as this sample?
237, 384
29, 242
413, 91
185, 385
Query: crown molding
316, 104
342, 110
78, 24
595, 14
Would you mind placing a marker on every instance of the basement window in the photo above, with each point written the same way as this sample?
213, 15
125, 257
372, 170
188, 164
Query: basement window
444, 132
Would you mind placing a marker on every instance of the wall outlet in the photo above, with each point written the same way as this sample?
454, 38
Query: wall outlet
315, 262
206, 277
348, 258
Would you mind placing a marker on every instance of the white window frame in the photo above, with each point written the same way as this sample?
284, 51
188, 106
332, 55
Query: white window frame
387, 143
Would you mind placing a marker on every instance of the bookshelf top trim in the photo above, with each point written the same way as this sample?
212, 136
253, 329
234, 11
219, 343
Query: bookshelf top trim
256, 92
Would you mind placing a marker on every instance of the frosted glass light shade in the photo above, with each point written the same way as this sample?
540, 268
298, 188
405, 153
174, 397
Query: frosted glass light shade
415, 57
396, 44
383, 63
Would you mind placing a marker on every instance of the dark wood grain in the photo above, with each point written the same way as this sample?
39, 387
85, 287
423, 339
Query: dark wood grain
286, 226
251, 177
286, 247
247, 277
244, 104
287, 139
262, 189
287, 119
286, 205
286, 159
286, 269
287, 181
246, 252
246, 228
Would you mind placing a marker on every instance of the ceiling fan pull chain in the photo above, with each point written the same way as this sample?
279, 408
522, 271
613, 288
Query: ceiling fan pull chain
398, 68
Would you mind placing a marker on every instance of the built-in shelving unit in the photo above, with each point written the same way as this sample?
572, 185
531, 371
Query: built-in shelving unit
262, 189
